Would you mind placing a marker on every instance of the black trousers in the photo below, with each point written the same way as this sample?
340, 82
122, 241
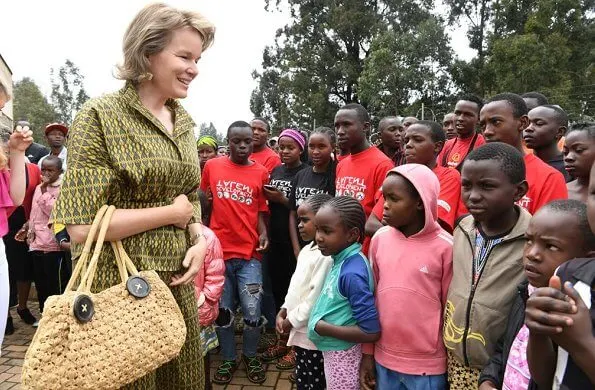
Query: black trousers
281, 265
309, 369
51, 273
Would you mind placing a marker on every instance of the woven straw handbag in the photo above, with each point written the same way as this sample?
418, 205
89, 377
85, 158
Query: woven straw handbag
109, 339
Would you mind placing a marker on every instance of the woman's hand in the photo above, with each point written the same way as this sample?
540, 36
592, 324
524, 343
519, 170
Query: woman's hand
182, 211
20, 140
193, 261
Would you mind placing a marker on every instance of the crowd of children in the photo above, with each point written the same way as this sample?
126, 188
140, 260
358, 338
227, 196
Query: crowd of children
409, 264
433, 260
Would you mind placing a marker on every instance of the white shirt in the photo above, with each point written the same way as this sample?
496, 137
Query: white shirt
305, 286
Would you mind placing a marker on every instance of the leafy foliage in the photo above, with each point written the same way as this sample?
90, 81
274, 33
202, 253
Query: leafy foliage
68, 92
32, 106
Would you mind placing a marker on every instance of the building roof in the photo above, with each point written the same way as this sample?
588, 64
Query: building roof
5, 63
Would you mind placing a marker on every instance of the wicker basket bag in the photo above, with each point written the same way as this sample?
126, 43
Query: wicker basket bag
109, 339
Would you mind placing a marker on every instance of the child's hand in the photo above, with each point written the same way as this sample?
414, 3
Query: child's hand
20, 140
279, 320
573, 337
487, 385
273, 195
21, 235
548, 310
321, 327
367, 372
286, 326
263, 243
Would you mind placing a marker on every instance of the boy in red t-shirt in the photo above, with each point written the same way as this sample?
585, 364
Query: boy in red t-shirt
261, 153
359, 175
237, 218
423, 141
466, 118
503, 119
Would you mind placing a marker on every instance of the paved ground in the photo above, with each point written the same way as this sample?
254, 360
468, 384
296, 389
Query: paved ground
15, 346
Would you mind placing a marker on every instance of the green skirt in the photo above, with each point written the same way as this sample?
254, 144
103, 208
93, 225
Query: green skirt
185, 371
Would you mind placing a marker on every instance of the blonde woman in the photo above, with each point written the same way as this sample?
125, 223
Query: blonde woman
12, 192
135, 149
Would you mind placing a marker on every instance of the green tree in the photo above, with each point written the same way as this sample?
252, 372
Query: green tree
68, 92
406, 67
317, 60
210, 129
32, 106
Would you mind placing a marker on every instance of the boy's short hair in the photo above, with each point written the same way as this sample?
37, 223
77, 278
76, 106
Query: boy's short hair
240, 124
266, 123
510, 159
519, 107
589, 127
469, 97
560, 114
541, 99
53, 159
362, 113
436, 131
579, 210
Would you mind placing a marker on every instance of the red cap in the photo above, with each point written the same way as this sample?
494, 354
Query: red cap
56, 126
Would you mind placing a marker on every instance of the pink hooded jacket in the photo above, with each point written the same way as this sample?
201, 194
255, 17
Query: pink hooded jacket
209, 281
412, 277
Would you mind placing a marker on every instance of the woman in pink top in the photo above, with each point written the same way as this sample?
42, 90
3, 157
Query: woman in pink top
52, 267
12, 192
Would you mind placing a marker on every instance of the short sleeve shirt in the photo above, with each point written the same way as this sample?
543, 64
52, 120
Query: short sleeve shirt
120, 154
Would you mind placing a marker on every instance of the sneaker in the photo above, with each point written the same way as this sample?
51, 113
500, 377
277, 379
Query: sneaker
267, 340
9, 326
26, 316
273, 353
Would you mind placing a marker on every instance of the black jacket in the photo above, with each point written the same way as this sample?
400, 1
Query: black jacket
494, 369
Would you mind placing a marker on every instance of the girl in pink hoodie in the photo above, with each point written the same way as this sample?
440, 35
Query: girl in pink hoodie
209, 287
411, 259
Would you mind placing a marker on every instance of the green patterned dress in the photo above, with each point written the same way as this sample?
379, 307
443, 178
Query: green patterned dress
120, 154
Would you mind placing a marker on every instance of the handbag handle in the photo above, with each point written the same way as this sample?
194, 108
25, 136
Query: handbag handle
89, 275
123, 261
81, 264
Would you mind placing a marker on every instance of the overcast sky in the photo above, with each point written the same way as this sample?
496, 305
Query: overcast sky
39, 35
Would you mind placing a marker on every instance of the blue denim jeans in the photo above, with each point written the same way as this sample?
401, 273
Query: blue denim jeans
392, 380
243, 284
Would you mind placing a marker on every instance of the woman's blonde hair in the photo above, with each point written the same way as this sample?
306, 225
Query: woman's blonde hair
149, 33
4, 91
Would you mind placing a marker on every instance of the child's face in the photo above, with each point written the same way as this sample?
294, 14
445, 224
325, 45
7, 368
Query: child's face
240, 144
289, 151
205, 153
50, 172
306, 223
448, 125
351, 132
579, 153
591, 199
548, 246
543, 129
319, 149
402, 208
499, 124
419, 146
390, 134
466, 117
331, 234
487, 191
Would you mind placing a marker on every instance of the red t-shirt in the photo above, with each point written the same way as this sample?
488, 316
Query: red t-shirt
448, 199
267, 158
455, 150
238, 197
361, 176
545, 184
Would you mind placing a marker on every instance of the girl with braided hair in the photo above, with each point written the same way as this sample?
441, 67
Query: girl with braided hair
304, 289
345, 314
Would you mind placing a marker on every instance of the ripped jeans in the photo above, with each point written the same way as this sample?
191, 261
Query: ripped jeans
243, 283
